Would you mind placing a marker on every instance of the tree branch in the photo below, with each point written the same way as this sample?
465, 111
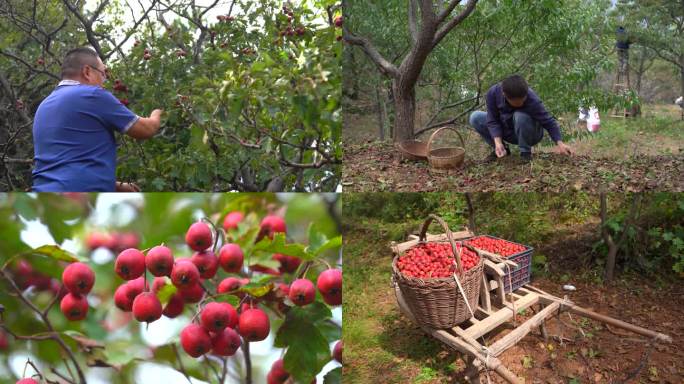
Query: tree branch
441, 33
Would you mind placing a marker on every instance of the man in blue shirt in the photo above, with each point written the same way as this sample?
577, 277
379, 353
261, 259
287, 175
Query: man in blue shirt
515, 115
73, 130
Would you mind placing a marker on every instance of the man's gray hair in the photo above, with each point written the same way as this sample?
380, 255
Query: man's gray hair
76, 59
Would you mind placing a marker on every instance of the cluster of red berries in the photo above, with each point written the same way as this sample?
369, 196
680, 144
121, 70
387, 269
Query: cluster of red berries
435, 260
78, 279
25, 276
114, 241
147, 55
121, 87
339, 21
19, 105
498, 246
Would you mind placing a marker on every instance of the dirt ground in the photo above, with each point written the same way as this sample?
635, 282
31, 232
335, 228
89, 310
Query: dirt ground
627, 156
383, 346
379, 167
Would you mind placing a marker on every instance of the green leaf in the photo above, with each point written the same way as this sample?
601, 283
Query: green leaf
56, 252
278, 245
305, 356
333, 243
166, 292
333, 377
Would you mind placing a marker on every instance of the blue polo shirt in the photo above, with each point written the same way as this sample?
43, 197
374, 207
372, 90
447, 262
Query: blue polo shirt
500, 113
73, 138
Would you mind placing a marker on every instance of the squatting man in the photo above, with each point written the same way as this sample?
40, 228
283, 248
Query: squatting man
515, 115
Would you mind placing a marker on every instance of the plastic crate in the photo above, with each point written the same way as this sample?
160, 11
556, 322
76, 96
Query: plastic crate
521, 274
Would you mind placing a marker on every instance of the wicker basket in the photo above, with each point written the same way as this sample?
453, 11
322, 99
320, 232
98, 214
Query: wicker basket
413, 149
438, 303
446, 158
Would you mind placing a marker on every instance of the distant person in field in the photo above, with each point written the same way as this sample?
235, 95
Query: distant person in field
515, 115
74, 128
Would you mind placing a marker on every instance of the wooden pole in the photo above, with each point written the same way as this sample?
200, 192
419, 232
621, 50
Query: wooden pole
569, 306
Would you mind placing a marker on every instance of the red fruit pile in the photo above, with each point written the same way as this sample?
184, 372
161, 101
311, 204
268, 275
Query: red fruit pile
434, 260
498, 246
78, 278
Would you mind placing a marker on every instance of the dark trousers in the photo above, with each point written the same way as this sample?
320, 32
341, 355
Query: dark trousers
526, 131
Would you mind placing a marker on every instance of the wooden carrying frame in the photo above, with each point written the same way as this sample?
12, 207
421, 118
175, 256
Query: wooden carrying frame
494, 309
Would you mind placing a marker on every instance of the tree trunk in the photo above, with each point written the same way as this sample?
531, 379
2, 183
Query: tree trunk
381, 113
608, 239
404, 110
471, 211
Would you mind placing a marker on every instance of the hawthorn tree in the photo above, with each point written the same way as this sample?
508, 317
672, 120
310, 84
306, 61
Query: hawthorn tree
267, 275
250, 89
428, 24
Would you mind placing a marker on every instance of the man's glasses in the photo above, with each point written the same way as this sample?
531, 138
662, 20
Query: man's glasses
104, 75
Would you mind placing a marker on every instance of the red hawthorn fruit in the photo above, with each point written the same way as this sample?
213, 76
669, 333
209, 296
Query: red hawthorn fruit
198, 236
206, 263
146, 307
41, 61
232, 220
174, 307
195, 340
500, 247
159, 261
27, 381
337, 351
277, 374
147, 56
122, 299
226, 342
96, 240
124, 101
130, 264
192, 294
339, 38
231, 258
233, 322
184, 273
329, 283
339, 20
273, 224
230, 284
302, 292
127, 239
254, 325
78, 278
3, 340
288, 264
214, 317
266, 270
74, 307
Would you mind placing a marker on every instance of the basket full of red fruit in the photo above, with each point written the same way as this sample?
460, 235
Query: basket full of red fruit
429, 274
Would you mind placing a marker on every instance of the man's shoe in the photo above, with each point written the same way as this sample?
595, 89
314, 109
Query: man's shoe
526, 157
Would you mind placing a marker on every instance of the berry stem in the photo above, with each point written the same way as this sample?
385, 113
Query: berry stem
248, 362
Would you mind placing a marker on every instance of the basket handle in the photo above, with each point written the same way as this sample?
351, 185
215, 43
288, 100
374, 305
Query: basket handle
432, 137
450, 236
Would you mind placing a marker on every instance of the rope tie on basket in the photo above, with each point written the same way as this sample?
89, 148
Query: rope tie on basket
458, 283
510, 287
